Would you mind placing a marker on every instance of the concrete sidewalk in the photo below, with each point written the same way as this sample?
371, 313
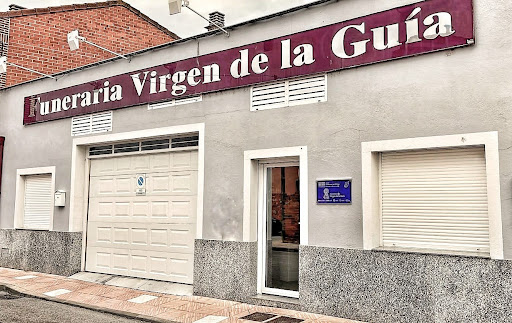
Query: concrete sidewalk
149, 305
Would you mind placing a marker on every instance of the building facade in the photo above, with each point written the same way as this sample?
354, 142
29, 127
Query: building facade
350, 158
36, 38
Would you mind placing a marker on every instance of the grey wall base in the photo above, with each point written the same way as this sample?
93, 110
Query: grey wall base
225, 269
378, 286
42, 251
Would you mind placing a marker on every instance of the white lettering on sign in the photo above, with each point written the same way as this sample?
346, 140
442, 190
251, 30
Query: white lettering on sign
385, 37
86, 99
304, 54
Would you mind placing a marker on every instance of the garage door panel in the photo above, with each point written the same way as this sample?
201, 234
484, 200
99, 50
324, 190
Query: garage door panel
173, 209
153, 265
157, 162
157, 184
148, 236
177, 238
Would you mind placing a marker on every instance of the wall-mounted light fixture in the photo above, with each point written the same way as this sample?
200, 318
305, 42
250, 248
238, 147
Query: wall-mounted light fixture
74, 40
4, 63
176, 5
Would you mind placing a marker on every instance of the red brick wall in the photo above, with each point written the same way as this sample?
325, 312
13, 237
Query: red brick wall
39, 41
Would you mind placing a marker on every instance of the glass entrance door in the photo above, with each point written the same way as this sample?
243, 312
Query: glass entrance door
281, 230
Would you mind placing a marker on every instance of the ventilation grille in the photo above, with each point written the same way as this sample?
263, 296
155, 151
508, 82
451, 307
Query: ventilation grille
92, 123
305, 90
145, 146
175, 102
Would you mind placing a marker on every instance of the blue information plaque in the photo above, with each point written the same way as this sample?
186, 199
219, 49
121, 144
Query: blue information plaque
334, 192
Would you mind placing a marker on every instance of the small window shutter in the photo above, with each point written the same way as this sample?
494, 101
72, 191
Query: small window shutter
92, 123
435, 199
38, 202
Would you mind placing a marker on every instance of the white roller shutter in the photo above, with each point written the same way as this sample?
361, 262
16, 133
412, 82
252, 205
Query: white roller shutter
38, 202
435, 199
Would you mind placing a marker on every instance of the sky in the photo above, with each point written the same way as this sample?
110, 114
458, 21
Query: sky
186, 23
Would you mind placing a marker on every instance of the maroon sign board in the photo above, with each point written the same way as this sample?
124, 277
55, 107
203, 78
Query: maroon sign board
2, 140
411, 30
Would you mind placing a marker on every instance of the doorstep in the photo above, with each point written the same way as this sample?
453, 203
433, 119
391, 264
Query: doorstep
149, 306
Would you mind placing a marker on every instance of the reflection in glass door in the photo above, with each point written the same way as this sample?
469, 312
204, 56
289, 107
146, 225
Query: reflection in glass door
281, 230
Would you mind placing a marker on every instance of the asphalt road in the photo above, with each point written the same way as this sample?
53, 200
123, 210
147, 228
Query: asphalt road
33, 310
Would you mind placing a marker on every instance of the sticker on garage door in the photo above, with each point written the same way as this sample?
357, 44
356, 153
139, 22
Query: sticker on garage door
140, 184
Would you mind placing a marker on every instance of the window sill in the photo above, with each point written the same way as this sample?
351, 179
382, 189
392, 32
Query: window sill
434, 252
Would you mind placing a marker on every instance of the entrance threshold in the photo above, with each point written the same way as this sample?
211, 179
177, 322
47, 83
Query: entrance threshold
147, 285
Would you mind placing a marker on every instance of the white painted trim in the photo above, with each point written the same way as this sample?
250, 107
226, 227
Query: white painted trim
19, 203
370, 181
281, 292
262, 233
251, 160
80, 165
254, 164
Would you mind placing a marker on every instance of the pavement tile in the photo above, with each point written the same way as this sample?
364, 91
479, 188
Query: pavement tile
57, 292
228, 311
25, 277
243, 306
221, 302
147, 309
72, 285
211, 319
124, 294
107, 302
191, 317
95, 290
263, 309
38, 285
206, 300
234, 320
77, 297
191, 306
210, 309
172, 314
174, 304
160, 300
142, 299
122, 306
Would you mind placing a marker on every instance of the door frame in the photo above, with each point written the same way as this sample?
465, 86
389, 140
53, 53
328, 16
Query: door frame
80, 165
263, 169
252, 161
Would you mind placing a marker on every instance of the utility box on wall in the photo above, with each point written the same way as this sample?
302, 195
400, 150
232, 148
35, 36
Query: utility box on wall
2, 140
60, 198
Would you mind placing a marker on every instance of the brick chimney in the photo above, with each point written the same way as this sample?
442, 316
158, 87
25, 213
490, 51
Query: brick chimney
218, 18
15, 7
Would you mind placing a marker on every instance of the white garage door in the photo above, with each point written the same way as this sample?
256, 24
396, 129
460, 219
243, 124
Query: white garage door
148, 236
435, 199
